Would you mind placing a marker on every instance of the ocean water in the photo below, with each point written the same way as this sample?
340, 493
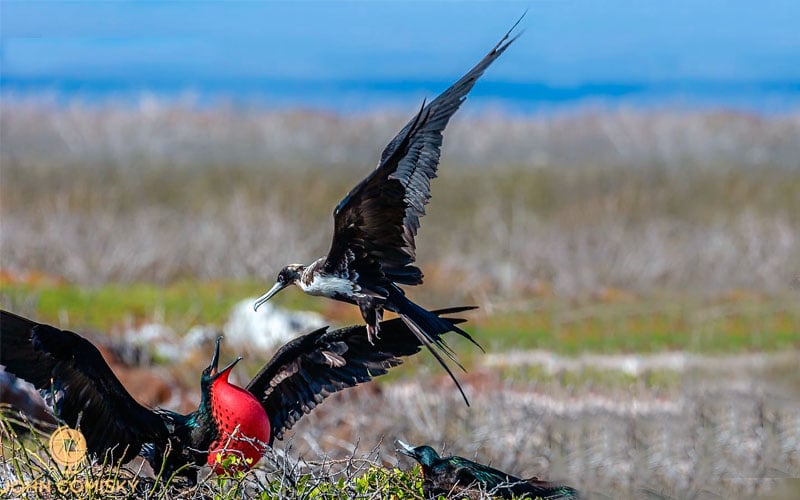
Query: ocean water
349, 96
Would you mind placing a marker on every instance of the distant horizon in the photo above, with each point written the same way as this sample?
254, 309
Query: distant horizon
767, 97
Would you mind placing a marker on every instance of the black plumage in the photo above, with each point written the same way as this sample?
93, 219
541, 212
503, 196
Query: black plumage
461, 477
84, 392
376, 223
309, 368
73, 377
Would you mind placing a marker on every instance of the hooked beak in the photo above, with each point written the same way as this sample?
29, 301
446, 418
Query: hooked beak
215, 361
277, 287
227, 369
404, 448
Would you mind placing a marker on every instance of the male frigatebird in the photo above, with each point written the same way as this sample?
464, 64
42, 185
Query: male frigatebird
84, 393
375, 225
456, 475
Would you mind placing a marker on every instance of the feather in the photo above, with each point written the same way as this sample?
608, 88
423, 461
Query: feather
71, 372
309, 368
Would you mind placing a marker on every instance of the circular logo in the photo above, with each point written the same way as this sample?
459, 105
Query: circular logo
67, 446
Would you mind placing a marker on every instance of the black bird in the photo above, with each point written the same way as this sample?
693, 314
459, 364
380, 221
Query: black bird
84, 393
375, 225
458, 476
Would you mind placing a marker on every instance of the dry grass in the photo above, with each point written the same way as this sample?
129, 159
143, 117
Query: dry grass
718, 427
154, 133
723, 427
620, 208
624, 427
28, 470
700, 202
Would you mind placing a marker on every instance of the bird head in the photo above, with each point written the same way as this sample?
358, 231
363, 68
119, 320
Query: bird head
288, 276
425, 455
211, 374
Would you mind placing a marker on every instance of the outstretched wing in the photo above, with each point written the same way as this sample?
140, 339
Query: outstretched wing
310, 368
84, 392
375, 225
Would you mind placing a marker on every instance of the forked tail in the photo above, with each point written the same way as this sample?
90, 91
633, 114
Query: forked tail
429, 328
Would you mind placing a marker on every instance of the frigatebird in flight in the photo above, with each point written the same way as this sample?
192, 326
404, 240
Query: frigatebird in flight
459, 476
84, 393
375, 225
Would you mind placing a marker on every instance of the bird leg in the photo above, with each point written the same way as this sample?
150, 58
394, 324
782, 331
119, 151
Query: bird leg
372, 332
373, 315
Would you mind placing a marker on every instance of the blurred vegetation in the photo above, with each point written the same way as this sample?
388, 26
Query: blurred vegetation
717, 325
644, 202
608, 232
682, 235
501, 233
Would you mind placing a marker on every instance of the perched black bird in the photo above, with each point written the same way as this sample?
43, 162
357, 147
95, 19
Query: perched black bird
84, 393
375, 225
459, 476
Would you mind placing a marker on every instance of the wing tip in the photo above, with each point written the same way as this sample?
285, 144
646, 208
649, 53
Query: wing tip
507, 39
454, 309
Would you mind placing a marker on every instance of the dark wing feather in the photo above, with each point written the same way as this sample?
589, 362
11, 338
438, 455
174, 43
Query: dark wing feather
310, 368
468, 472
546, 490
375, 225
84, 390
499, 483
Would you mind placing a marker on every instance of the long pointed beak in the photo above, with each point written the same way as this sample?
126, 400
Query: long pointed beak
277, 287
212, 368
225, 371
404, 448
215, 358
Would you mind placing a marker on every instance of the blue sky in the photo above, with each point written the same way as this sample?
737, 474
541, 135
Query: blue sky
566, 43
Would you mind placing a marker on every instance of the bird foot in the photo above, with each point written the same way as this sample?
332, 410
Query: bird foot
372, 333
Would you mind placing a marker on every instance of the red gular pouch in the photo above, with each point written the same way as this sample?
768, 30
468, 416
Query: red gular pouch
243, 426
